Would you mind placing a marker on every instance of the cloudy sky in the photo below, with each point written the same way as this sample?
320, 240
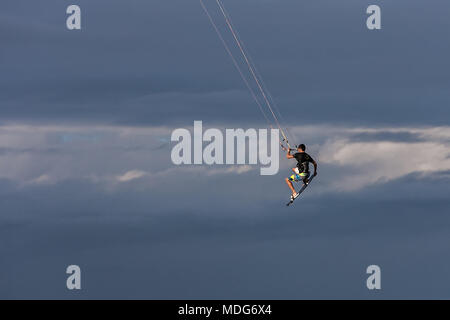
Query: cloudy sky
86, 176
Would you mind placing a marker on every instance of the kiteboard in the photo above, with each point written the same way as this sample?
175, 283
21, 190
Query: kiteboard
300, 191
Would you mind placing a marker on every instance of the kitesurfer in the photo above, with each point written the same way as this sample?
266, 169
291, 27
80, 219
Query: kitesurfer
301, 171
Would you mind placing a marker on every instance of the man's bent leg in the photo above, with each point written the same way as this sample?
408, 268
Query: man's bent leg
289, 183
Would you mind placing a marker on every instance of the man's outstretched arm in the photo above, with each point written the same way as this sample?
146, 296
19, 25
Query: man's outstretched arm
315, 167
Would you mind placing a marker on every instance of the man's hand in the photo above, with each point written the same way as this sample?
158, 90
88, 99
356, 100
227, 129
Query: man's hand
315, 173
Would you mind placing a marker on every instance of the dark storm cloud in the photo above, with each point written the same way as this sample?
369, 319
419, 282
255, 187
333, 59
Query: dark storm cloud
158, 62
310, 251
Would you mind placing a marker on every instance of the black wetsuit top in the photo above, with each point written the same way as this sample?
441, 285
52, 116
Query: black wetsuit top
303, 160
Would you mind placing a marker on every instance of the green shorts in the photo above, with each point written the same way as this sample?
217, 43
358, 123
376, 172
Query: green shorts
299, 177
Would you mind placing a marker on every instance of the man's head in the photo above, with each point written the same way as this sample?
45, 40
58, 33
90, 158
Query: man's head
301, 148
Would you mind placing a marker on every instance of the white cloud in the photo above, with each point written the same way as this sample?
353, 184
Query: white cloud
43, 179
131, 175
101, 154
383, 160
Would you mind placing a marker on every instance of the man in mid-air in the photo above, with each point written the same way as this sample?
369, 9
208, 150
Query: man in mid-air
301, 171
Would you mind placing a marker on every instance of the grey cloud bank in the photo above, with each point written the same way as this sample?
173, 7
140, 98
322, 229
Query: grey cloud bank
110, 155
